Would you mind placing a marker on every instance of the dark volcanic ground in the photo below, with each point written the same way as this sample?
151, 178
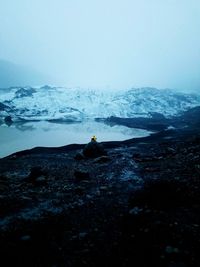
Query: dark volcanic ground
137, 206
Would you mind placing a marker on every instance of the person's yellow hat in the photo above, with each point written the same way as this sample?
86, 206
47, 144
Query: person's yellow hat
94, 138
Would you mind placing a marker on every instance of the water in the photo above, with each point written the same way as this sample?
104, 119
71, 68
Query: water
31, 134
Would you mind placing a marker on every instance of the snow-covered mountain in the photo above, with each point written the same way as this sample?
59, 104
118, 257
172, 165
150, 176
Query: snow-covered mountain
75, 104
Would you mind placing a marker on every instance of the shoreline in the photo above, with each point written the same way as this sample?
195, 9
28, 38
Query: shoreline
138, 205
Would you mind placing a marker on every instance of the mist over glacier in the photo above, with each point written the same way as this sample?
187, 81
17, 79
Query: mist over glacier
102, 44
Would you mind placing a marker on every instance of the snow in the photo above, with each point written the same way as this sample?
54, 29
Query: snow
76, 104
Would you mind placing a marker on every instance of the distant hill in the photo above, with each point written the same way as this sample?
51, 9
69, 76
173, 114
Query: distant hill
16, 75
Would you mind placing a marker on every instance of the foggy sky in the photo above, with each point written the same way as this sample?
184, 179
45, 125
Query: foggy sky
105, 43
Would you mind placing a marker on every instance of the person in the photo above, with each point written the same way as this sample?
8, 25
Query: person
94, 149
93, 139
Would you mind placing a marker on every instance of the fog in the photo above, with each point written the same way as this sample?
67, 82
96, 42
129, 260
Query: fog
103, 43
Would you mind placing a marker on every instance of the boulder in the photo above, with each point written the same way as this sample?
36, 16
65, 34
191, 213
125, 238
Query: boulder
37, 176
94, 150
8, 120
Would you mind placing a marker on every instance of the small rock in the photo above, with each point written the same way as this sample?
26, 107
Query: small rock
82, 235
170, 150
79, 190
136, 155
79, 156
26, 238
171, 250
74, 237
102, 159
13, 157
135, 211
80, 203
98, 193
40, 180
8, 120
81, 175
35, 173
151, 169
103, 187
26, 198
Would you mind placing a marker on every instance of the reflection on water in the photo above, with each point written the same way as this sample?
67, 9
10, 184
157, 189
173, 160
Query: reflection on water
22, 136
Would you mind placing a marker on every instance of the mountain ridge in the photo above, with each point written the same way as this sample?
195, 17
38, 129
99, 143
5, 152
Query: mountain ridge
75, 104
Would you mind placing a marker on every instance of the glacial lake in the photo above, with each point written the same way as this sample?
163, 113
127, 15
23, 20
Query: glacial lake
20, 136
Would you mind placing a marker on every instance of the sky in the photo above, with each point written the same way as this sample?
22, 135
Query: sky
112, 44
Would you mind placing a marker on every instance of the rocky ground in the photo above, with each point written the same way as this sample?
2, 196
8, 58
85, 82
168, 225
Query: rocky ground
135, 204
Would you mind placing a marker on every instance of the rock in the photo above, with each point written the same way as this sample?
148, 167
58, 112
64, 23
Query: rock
135, 211
102, 159
82, 235
94, 150
41, 180
26, 198
25, 238
13, 157
36, 172
24, 92
79, 190
151, 169
8, 120
171, 250
79, 156
88, 196
98, 193
136, 155
170, 150
103, 188
81, 175
4, 185
37, 176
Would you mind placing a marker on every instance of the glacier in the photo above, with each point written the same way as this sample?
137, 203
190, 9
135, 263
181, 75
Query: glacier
51, 103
